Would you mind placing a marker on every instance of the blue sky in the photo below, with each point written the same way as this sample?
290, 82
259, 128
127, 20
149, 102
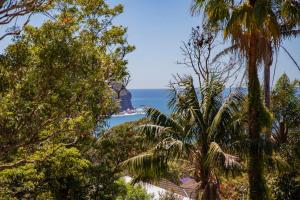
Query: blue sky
157, 29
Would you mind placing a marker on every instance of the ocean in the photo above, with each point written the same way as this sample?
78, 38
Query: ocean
156, 98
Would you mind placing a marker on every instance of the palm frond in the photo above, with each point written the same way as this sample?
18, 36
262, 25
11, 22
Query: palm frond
239, 15
290, 33
292, 58
153, 131
212, 99
217, 10
217, 158
146, 165
144, 178
153, 165
226, 51
161, 119
224, 116
290, 10
172, 149
187, 101
196, 7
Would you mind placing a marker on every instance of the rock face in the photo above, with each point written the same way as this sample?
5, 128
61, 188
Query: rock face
123, 95
125, 100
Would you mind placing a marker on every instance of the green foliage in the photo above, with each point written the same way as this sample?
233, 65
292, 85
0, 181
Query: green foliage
113, 147
69, 174
285, 105
286, 185
18, 182
198, 131
55, 78
236, 188
61, 176
253, 26
132, 192
65, 174
265, 119
285, 102
54, 90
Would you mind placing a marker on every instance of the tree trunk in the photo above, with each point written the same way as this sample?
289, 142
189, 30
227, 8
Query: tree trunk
255, 169
267, 72
267, 93
209, 188
283, 132
204, 171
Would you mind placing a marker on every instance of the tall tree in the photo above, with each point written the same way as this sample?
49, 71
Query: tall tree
289, 29
55, 80
199, 130
286, 107
252, 24
54, 91
268, 61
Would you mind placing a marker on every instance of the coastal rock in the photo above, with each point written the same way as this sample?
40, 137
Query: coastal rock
123, 95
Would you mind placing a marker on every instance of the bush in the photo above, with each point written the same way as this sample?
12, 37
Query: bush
131, 192
285, 187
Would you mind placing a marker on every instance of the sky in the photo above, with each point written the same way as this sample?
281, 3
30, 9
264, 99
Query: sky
157, 29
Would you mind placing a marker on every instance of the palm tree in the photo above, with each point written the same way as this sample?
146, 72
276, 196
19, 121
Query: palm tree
288, 29
252, 25
268, 61
199, 130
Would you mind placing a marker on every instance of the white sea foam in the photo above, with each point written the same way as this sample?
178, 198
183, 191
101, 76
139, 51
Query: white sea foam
137, 111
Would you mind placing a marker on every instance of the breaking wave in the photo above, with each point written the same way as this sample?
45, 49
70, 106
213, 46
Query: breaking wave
137, 111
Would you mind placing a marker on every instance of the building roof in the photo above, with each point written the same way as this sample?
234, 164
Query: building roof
186, 189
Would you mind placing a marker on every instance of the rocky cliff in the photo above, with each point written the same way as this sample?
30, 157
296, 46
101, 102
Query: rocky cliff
123, 95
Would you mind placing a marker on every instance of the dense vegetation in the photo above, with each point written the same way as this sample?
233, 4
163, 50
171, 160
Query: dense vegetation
199, 131
55, 96
54, 92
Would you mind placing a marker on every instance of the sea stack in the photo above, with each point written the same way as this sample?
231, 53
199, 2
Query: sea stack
123, 95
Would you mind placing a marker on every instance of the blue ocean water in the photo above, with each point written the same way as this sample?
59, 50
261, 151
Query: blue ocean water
156, 98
